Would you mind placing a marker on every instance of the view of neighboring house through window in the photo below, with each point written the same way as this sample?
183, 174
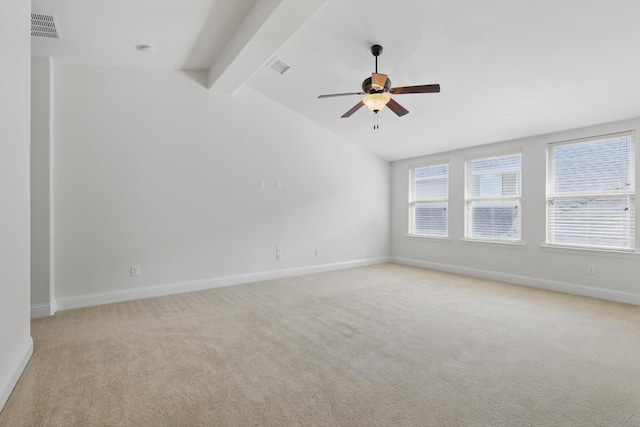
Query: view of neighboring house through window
429, 200
492, 198
591, 192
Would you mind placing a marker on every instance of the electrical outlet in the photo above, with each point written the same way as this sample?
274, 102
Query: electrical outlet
278, 184
278, 256
261, 183
591, 269
278, 247
317, 252
135, 270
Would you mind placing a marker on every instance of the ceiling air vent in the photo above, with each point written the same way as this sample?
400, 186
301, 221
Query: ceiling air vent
44, 25
279, 66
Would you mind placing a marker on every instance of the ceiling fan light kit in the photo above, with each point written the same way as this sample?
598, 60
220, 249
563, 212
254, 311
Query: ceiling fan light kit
375, 89
376, 101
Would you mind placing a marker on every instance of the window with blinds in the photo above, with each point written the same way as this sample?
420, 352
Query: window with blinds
591, 192
492, 198
429, 200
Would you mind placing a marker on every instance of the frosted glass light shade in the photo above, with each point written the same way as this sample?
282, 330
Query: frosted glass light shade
376, 101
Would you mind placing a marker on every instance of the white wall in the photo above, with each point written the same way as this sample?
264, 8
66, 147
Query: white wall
41, 142
16, 345
151, 169
530, 264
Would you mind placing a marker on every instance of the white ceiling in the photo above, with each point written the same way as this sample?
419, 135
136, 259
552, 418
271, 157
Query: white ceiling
188, 34
507, 69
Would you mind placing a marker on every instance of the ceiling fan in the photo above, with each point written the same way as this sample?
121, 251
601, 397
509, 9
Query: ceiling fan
376, 88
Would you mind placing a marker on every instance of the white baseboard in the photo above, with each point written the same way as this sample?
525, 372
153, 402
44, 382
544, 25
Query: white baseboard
79, 301
41, 310
568, 288
16, 370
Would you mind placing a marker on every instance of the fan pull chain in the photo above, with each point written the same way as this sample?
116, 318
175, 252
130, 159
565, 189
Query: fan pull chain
376, 125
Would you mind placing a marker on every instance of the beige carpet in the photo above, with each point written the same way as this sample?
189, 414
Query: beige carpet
384, 345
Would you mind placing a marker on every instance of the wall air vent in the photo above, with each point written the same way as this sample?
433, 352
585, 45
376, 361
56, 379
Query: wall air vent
44, 25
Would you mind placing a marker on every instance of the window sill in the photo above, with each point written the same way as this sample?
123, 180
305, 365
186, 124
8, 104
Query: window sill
631, 254
424, 237
514, 245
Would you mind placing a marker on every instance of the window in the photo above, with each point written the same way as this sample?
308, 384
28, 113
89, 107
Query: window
492, 198
429, 200
591, 192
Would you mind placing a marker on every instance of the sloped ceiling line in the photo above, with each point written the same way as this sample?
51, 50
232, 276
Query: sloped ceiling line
268, 26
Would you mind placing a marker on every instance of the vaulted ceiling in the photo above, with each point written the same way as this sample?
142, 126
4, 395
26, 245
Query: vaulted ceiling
507, 69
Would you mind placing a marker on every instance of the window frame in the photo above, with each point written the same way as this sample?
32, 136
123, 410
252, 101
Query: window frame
551, 197
469, 199
413, 200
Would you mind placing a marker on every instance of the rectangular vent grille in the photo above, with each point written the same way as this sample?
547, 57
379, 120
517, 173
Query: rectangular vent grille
43, 25
279, 66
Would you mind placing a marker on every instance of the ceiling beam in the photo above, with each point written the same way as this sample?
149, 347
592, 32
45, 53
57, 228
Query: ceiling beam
269, 24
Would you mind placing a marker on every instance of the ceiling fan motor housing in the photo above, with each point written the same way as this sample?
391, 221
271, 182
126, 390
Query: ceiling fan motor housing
367, 87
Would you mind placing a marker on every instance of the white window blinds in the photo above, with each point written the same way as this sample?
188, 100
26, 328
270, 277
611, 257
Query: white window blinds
429, 200
492, 198
591, 192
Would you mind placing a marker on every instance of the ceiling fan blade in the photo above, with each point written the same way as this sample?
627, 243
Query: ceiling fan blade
415, 89
353, 110
397, 108
341, 94
378, 80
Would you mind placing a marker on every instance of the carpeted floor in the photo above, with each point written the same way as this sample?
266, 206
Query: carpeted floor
384, 345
